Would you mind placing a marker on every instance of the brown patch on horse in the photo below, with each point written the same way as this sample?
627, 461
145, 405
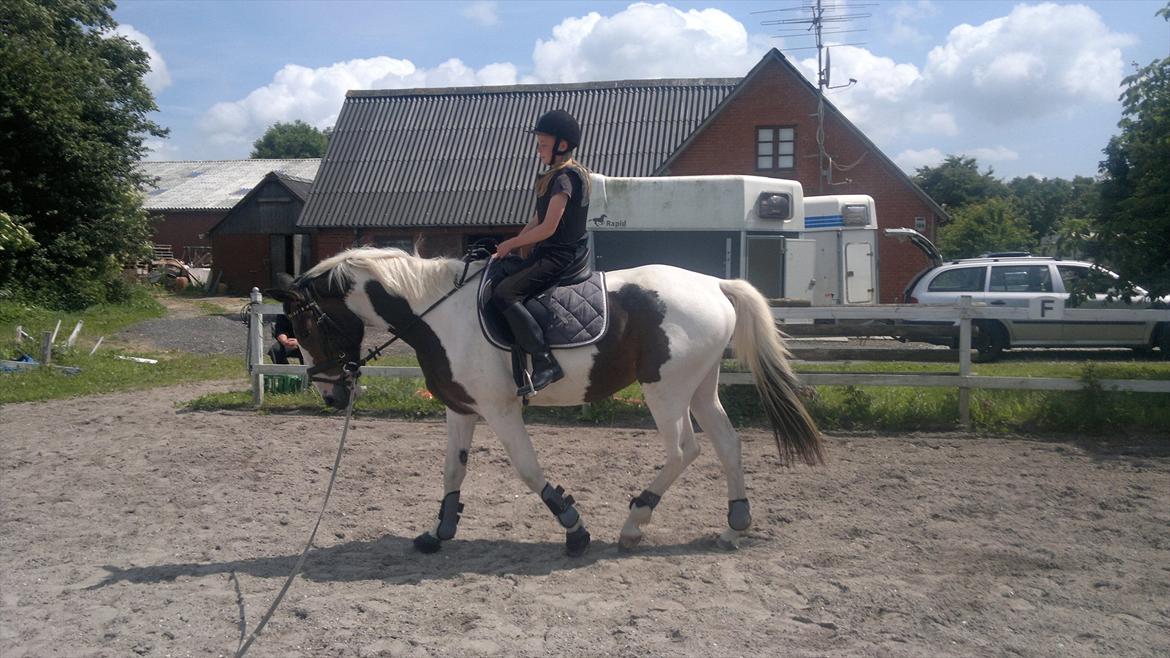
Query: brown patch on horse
432, 358
634, 348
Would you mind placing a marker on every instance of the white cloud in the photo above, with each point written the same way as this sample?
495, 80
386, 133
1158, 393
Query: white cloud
315, 95
647, 41
910, 159
484, 12
992, 154
1038, 60
158, 78
903, 16
887, 98
161, 149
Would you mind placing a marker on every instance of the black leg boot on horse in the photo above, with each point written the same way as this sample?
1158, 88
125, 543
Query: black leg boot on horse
530, 337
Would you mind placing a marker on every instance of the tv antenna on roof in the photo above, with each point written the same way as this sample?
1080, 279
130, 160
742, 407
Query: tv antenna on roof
811, 21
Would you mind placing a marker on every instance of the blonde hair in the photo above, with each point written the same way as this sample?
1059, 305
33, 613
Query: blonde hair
545, 179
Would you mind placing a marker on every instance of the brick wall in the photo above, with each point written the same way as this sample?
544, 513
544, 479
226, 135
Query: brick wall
183, 229
244, 260
775, 98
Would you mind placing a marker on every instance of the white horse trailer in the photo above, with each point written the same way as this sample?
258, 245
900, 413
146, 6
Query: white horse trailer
821, 249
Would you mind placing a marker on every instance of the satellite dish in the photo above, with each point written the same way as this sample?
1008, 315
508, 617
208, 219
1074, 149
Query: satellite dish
828, 65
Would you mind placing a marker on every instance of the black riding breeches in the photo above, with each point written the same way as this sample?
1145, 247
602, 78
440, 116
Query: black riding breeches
531, 276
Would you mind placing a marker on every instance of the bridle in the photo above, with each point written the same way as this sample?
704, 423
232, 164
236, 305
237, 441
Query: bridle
350, 368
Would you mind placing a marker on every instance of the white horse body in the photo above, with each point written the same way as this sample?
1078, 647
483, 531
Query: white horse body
696, 314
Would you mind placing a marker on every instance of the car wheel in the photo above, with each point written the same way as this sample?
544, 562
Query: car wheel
990, 342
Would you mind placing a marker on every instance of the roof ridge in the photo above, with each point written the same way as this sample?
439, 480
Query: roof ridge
480, 90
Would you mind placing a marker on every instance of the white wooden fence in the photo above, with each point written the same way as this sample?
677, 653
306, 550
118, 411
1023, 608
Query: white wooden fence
962, 379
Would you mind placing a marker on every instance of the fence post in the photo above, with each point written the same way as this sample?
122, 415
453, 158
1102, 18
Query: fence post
256, 346
964, 361
46, 348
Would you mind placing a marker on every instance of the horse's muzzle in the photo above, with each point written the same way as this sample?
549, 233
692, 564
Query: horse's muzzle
337, 395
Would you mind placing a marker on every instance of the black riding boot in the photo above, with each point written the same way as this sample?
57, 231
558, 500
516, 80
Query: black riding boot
530, 337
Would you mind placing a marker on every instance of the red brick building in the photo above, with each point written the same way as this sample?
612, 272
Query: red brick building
258, 238
189, 197
438, 168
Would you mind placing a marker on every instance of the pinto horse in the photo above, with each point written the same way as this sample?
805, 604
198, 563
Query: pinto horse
667, 330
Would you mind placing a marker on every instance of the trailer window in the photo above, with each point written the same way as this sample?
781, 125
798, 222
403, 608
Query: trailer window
775, 147
963, 279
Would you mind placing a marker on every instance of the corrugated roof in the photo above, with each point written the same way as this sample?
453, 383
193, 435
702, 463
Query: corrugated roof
300, 187
212, 184
462, 156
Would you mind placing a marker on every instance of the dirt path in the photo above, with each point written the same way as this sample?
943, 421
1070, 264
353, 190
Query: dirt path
128, 528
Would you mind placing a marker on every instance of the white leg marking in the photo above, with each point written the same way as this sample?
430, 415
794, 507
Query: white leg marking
509, 426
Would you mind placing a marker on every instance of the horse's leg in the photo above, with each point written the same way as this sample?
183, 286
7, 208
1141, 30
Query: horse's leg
460, 427
509, 425
713, 419
678, 438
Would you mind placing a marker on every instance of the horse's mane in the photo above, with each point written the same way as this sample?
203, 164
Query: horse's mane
411, 277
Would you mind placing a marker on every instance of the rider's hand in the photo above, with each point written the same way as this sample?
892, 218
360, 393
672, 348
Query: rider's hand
502, 249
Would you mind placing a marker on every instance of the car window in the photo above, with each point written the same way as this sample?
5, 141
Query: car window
1085, 279
962, 279
1020, 278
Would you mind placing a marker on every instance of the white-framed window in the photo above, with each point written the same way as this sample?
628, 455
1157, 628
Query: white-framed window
775, 147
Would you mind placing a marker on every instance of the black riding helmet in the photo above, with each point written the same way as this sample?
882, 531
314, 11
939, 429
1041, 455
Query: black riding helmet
561, 125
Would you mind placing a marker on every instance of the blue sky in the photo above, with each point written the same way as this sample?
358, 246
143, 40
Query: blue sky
1026, 88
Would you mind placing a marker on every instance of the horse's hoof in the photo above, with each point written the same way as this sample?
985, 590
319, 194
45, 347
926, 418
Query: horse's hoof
629, 542
427, 543
576, 542
729, 540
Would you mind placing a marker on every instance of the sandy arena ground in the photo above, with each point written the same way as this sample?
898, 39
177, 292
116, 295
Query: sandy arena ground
129, 528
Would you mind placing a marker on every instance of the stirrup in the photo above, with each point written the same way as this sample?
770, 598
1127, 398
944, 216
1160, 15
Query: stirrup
527, 390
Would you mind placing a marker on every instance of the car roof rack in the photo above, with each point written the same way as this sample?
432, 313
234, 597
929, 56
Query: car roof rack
997, 258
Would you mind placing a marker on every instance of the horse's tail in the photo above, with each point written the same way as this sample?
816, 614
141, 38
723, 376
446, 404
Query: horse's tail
759, 346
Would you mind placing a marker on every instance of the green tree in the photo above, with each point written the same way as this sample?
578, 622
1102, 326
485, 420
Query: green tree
977, 228
1056, 208
292, 140
957, 182
73, 118
1134, 224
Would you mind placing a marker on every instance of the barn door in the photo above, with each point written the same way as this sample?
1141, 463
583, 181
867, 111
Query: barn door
280, 255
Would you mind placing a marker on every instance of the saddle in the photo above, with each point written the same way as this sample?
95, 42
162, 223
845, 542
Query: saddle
573, 313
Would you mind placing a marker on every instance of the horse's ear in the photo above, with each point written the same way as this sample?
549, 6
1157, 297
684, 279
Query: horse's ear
283, 289
284, 296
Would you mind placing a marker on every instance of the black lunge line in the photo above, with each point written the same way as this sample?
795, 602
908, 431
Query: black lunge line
309, 544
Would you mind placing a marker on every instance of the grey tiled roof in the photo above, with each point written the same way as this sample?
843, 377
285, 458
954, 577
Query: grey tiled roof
211, 184
463, 157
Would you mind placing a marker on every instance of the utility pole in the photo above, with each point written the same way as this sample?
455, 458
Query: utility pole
815, 18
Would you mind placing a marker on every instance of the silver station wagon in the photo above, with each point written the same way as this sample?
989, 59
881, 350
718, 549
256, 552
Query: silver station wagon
1014, 280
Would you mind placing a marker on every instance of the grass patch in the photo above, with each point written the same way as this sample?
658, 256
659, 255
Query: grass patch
105, 373
102, 372
100, 320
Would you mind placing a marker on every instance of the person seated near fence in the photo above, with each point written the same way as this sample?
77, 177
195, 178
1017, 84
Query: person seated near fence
286, 344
